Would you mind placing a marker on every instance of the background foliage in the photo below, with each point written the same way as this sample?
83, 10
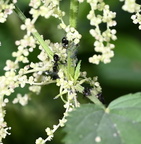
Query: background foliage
120, 77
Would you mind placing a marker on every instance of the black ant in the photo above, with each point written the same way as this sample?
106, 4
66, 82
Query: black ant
53, 75
101, 98
56, 58
86, 91
55, 66
65, 42
54, 71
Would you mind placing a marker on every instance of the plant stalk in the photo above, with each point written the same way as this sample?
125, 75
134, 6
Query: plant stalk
35, 34
74, 6
71, 60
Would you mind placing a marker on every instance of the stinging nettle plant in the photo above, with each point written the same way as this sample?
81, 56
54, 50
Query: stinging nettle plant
58, 63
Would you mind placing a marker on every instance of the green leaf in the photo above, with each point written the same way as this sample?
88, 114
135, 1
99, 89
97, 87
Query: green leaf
77, 71
120, 123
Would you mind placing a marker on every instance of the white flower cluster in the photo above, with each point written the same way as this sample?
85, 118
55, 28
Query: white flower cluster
6, 9
3, 125
8, 83
45, 8
93, 82
25, 46
50, 132
40, 141
72, 34
3, 90
66, 86
103, 39
132, 7
29, 26
137, 18
58, 49
23, 100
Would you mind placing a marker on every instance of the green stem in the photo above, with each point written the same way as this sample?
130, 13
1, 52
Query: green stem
43, 44
35, 34
96, 101
74, 5
70, 67
19, 13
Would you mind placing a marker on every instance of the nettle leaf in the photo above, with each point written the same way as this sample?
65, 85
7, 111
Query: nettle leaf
119, 123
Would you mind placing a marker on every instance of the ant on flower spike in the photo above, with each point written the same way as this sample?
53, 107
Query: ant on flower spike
54, 71
56, 58
55, 66
86, 91
101, 98
65, 42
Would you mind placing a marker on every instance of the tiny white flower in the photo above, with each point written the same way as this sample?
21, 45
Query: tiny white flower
40, 141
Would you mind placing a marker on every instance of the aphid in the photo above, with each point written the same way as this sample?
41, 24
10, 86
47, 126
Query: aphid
65, 42
86, 91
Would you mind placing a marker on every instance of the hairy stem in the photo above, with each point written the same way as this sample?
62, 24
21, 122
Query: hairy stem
35, 34
70, 65
71, 60
74, 5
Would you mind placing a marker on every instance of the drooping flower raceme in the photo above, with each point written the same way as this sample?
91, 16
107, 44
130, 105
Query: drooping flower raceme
103, 38
3, 125
6, 8
132, 7
45, 8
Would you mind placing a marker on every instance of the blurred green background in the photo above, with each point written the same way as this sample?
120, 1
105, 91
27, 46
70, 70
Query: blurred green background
121, 76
